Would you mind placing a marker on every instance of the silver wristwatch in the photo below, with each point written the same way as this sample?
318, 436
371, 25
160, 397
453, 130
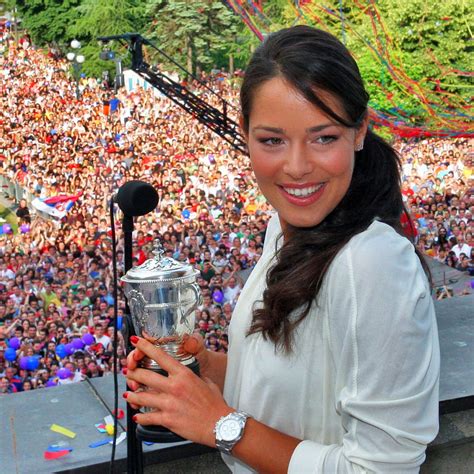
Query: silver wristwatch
229, 430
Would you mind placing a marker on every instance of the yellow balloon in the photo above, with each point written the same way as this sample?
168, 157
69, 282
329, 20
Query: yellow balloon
109, 429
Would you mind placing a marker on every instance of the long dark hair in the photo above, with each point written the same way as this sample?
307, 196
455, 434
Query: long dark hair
314, 61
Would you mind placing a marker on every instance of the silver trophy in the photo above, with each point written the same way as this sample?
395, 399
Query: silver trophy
163, 295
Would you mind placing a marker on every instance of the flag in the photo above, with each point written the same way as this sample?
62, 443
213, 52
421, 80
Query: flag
55, 206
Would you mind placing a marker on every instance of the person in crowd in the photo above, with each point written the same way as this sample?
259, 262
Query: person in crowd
313, 373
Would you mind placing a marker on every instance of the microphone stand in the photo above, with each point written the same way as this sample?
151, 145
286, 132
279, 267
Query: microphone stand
134, 446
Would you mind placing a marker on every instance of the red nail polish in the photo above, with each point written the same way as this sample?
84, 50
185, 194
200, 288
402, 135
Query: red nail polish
124, 371
134, 418
134, 339
125, 394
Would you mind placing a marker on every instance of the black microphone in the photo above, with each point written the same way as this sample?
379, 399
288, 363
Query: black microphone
136, 198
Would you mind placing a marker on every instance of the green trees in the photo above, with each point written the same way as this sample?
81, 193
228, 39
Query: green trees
47, 21
59, 21
200, 34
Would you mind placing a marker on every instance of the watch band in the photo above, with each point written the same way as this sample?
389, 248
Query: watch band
229, 430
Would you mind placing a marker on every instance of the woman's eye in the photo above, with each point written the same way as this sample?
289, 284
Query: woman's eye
271, 141
326, 139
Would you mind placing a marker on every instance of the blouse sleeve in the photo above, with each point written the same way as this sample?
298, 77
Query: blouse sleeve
384, 341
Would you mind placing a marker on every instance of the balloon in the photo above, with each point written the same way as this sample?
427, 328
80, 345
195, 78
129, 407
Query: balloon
77, 344
24, 228
69, 348
217, 296
10, 354
7, 228
472, 284
88, 339
1, 230
32, 363
64, 373
51, 383
61, 351
186, 213
24, 363
119, 323
14, 342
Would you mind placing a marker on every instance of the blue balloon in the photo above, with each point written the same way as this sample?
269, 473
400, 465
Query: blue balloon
186, 213
1, 230
88, 339
61, 351
77, 344
32, 363
217, 296
64, 373
15, 343
24, 363
10, 354
119, 323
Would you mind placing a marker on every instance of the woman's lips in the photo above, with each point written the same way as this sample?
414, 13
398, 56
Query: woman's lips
302, 194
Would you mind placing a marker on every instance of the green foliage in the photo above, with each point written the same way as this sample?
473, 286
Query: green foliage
104, 18
416, 45
47, 21
197, 33
57, 22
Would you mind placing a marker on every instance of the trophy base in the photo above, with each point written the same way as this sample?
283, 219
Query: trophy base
160, 434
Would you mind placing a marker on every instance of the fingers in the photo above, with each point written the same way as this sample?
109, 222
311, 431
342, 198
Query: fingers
134, 358
146, 398
132, 385
151, 418
165, 361
147, 378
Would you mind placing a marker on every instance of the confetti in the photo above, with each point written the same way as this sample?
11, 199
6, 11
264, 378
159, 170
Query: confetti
62, 430
49, 455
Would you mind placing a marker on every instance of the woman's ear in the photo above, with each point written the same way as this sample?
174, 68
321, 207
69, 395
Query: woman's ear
361, 132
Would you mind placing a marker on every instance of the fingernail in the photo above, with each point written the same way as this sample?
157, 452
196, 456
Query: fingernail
124, 371
134, 339
134, 418
125, 394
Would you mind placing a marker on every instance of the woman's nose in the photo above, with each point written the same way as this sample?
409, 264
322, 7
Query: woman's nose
298, 162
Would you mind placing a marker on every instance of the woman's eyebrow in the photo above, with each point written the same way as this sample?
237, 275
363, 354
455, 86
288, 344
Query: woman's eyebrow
316, 128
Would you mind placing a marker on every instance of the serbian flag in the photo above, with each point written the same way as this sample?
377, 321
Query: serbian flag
56, 206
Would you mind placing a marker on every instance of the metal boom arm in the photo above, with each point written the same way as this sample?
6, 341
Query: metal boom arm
208, 115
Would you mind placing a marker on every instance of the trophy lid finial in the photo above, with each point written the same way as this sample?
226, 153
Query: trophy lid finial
160, 268
158, 250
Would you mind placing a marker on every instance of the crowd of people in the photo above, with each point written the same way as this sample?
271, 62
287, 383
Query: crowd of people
56, 279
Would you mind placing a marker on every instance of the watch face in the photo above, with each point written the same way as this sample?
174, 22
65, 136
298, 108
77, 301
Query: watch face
230, 430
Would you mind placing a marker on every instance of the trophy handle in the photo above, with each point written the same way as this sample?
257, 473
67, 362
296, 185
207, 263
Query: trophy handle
197, 294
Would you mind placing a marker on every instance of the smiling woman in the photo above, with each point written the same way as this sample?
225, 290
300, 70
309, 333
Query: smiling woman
333, 359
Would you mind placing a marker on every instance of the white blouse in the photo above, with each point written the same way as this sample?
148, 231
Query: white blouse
361, 387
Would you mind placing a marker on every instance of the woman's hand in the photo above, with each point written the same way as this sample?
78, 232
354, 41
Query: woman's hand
182, 402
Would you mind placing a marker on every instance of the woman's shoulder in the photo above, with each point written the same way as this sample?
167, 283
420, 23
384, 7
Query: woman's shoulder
376, 254
377, 244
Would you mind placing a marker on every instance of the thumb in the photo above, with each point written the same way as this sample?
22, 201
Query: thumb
193, 344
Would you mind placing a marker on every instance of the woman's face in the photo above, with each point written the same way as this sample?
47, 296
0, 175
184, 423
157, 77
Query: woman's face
302, 159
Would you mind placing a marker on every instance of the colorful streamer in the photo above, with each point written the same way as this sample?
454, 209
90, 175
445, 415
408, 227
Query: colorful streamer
445, 114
